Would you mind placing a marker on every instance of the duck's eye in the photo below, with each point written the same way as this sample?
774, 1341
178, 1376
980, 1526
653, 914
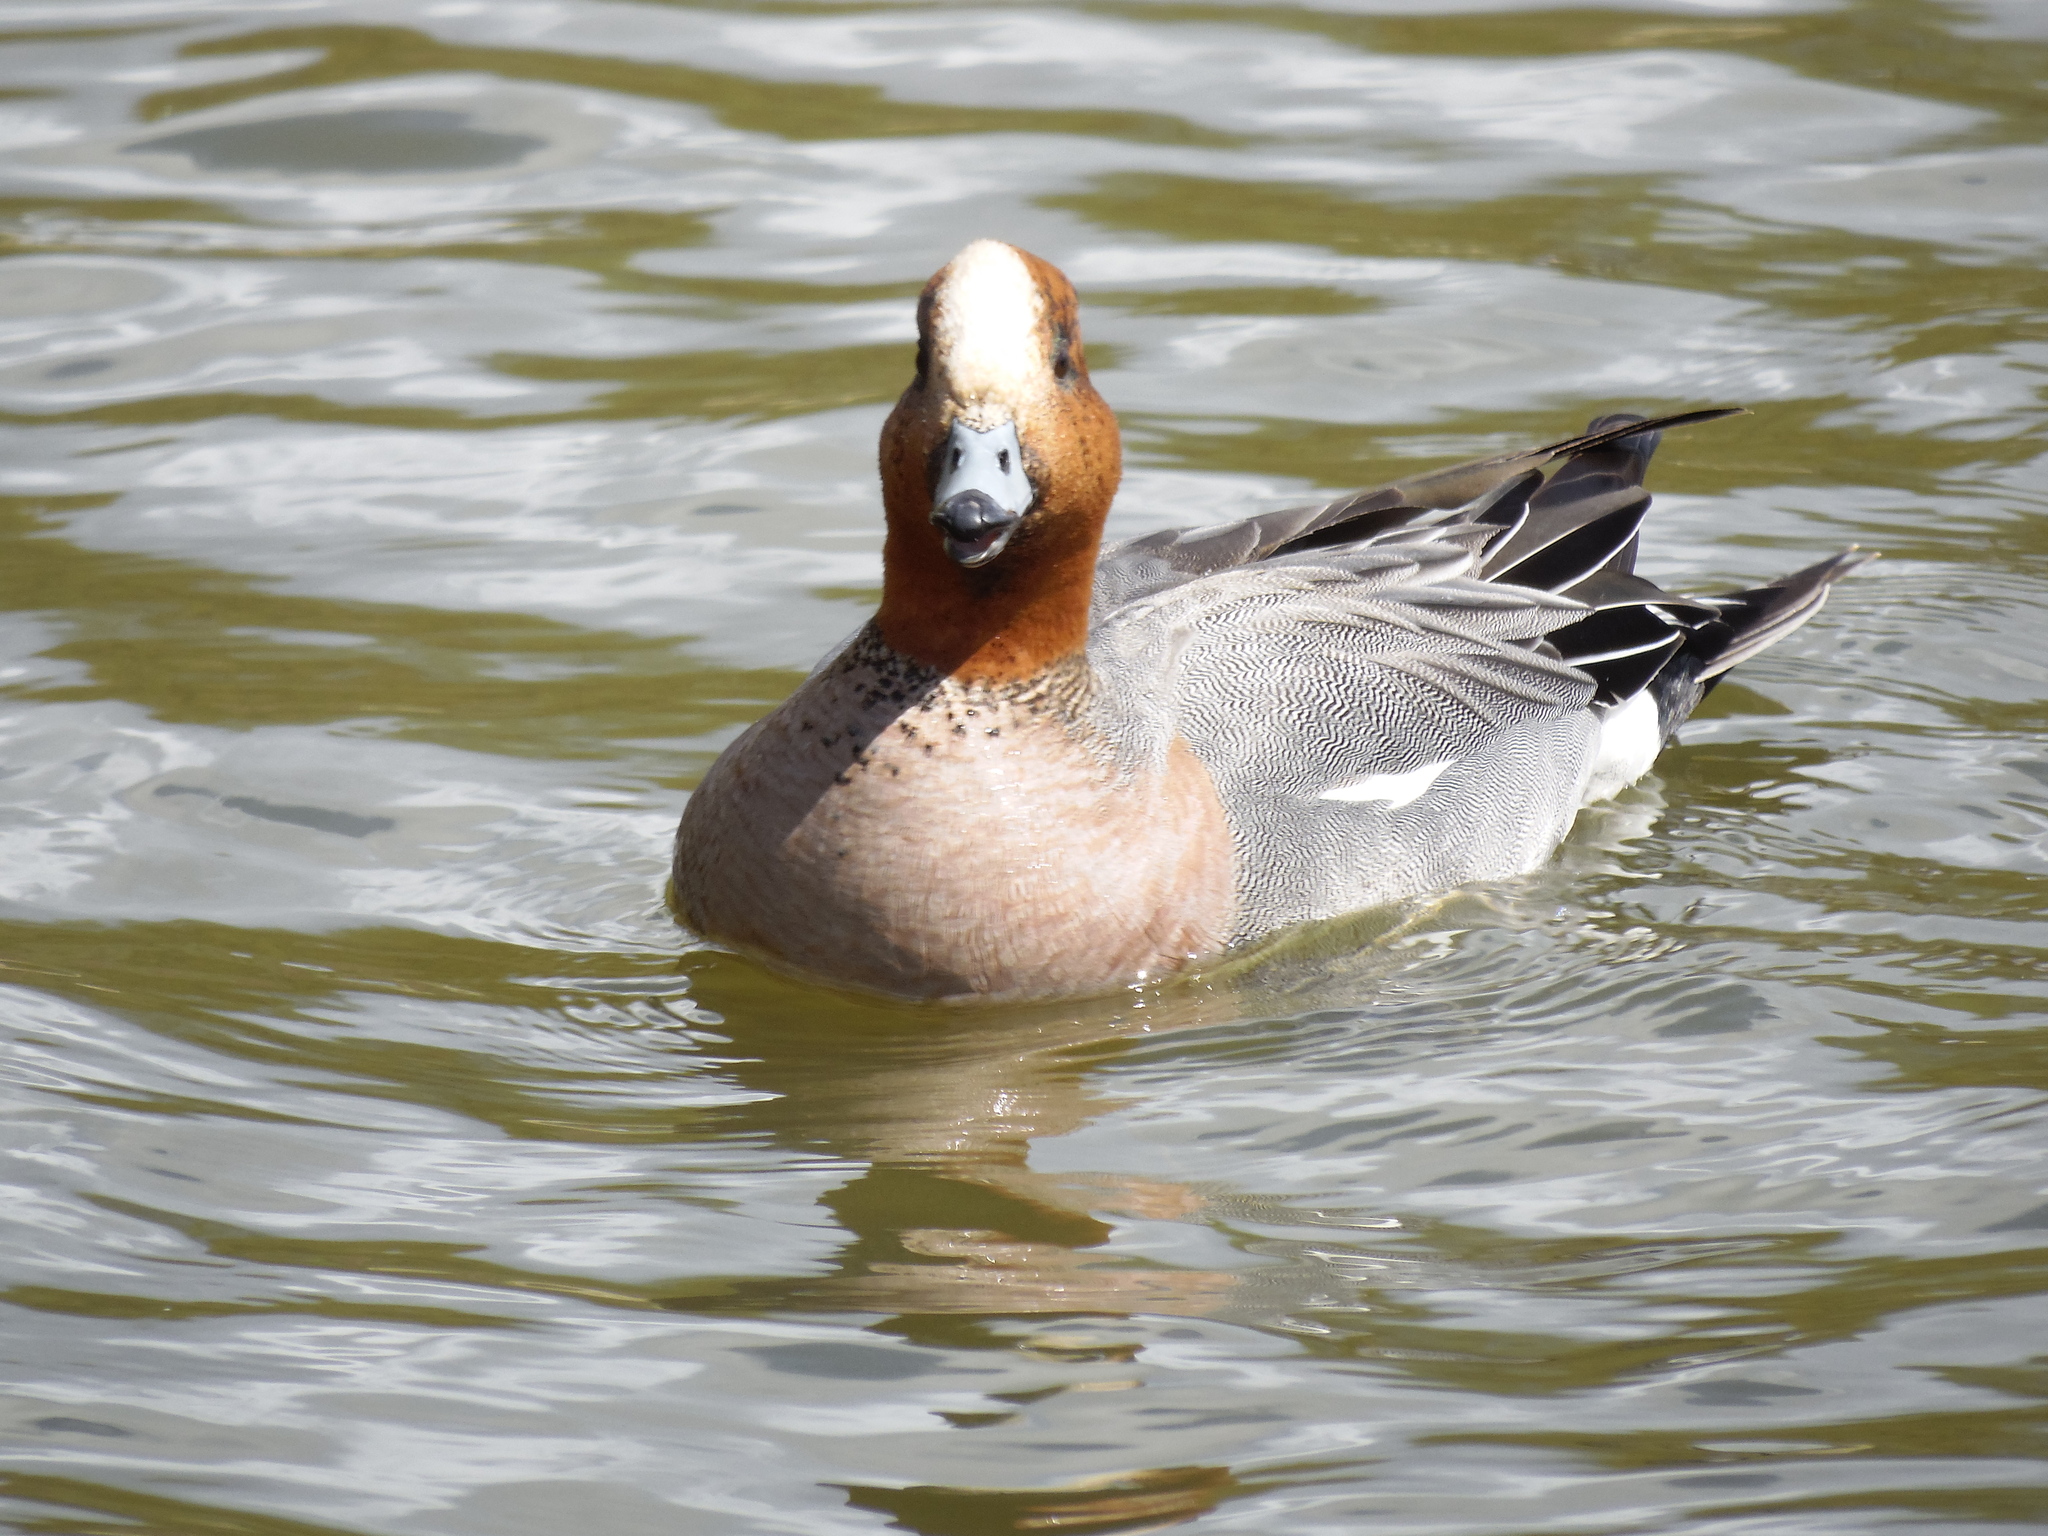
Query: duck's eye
1061, 345
1003, 460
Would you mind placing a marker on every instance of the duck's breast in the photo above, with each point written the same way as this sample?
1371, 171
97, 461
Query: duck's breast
934, 840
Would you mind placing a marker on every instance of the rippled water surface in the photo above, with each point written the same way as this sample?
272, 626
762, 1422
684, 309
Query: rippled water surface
429, 431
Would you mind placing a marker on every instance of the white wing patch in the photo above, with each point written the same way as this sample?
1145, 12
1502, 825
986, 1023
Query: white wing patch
1395, 789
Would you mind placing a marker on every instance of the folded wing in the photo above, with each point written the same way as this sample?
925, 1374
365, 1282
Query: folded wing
1405, 688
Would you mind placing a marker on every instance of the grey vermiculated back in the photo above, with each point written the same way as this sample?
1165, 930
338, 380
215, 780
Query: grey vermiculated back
1475, 646
1357, 675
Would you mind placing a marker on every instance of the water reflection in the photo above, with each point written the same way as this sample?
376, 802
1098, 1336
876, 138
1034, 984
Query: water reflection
393, 141
1138, 1501
942, 1107
950, 1235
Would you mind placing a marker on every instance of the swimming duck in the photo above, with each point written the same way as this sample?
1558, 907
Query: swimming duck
1044, 768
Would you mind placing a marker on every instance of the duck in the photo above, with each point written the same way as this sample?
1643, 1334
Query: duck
1045, 769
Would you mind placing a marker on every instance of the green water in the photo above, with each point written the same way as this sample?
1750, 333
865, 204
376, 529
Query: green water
429, 432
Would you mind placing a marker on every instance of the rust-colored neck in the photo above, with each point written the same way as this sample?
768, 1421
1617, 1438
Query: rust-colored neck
1010, 621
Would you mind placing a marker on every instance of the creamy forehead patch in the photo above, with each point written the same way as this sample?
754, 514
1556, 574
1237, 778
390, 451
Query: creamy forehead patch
985, 343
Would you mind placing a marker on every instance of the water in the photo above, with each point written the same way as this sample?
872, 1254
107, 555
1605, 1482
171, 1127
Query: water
432, 430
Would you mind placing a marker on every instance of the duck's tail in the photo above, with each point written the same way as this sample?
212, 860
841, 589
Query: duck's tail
1741, 625
1753, 620
1573, 533
1576, 534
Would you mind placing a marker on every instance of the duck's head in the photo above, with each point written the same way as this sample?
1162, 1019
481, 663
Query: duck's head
998, 467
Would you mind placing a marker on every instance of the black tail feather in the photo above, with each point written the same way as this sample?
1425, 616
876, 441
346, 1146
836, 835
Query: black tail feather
1748, 622
1574, 534
1577, 535
1740, 625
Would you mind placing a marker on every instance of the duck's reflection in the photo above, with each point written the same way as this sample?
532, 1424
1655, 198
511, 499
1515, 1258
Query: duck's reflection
1138, 1501
952, 1240
949, 1229
957, 1241
942, 1107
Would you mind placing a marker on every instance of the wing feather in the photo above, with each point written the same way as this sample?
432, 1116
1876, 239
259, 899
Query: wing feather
1476, 622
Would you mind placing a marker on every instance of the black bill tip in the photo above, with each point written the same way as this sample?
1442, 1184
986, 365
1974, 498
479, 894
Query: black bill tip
975, 526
